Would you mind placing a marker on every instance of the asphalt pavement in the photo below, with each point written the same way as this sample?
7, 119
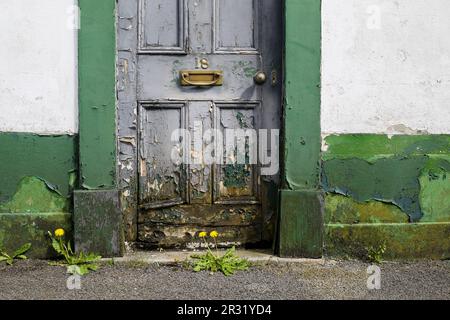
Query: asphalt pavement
329, 279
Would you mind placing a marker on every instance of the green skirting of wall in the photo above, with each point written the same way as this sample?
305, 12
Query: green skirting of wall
38, 174
403, 241
387, 189
17, 229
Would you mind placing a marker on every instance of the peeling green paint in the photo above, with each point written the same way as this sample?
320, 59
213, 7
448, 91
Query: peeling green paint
394, 180
246, 68
409, 172
236, 176
49, 158
377, 184
33, 196
341, 209
241, 119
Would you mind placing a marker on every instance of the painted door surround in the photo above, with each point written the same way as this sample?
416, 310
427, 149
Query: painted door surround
300, 214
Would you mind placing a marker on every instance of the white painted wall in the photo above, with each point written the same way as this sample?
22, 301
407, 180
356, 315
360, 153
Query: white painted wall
386, 66
37, 67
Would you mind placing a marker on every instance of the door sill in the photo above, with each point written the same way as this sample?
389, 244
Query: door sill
175, 257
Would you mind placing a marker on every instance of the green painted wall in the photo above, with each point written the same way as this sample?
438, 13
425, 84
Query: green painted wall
97, 103
406, 173
387, 189
36, 167
371, 147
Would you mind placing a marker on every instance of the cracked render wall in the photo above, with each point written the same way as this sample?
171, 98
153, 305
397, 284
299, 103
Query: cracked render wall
385, 119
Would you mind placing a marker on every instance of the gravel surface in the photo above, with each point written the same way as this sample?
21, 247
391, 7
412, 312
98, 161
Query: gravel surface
134, 280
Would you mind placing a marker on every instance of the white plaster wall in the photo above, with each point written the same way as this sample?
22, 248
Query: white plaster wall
386, 66
38, 67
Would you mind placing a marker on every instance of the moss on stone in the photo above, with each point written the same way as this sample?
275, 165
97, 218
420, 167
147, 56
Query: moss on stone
19, 228
403, 241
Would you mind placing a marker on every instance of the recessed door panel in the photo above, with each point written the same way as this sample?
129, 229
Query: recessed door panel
201, 117
236, 177
162, 182
236, 30
162, 26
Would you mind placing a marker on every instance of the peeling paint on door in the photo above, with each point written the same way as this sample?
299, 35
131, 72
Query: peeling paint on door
153, 48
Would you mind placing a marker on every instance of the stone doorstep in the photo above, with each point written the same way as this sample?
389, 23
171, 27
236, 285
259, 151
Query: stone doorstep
174, 257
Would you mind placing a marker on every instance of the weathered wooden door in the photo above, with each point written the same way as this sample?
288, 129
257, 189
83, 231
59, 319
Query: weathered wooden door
161, 43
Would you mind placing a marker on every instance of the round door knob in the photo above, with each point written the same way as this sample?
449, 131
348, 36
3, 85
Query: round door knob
260, 77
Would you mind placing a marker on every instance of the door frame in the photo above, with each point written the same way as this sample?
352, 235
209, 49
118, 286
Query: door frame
300, 225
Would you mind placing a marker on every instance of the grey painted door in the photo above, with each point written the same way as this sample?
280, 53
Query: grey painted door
173, 200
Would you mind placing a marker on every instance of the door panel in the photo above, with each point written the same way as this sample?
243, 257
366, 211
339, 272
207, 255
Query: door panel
236, 26
201, 32
237, 182
161, 181
157, 39
162, 26
201, 118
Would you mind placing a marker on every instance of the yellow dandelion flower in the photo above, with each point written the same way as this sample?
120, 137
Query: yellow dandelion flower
59, 233
202, 234
214, 234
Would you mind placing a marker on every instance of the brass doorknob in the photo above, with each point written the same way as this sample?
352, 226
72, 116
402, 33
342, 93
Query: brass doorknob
260, 77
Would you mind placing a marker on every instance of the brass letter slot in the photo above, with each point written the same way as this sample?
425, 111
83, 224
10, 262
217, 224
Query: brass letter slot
201, 78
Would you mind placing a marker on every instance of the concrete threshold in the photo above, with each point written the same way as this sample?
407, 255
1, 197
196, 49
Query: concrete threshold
171, 257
